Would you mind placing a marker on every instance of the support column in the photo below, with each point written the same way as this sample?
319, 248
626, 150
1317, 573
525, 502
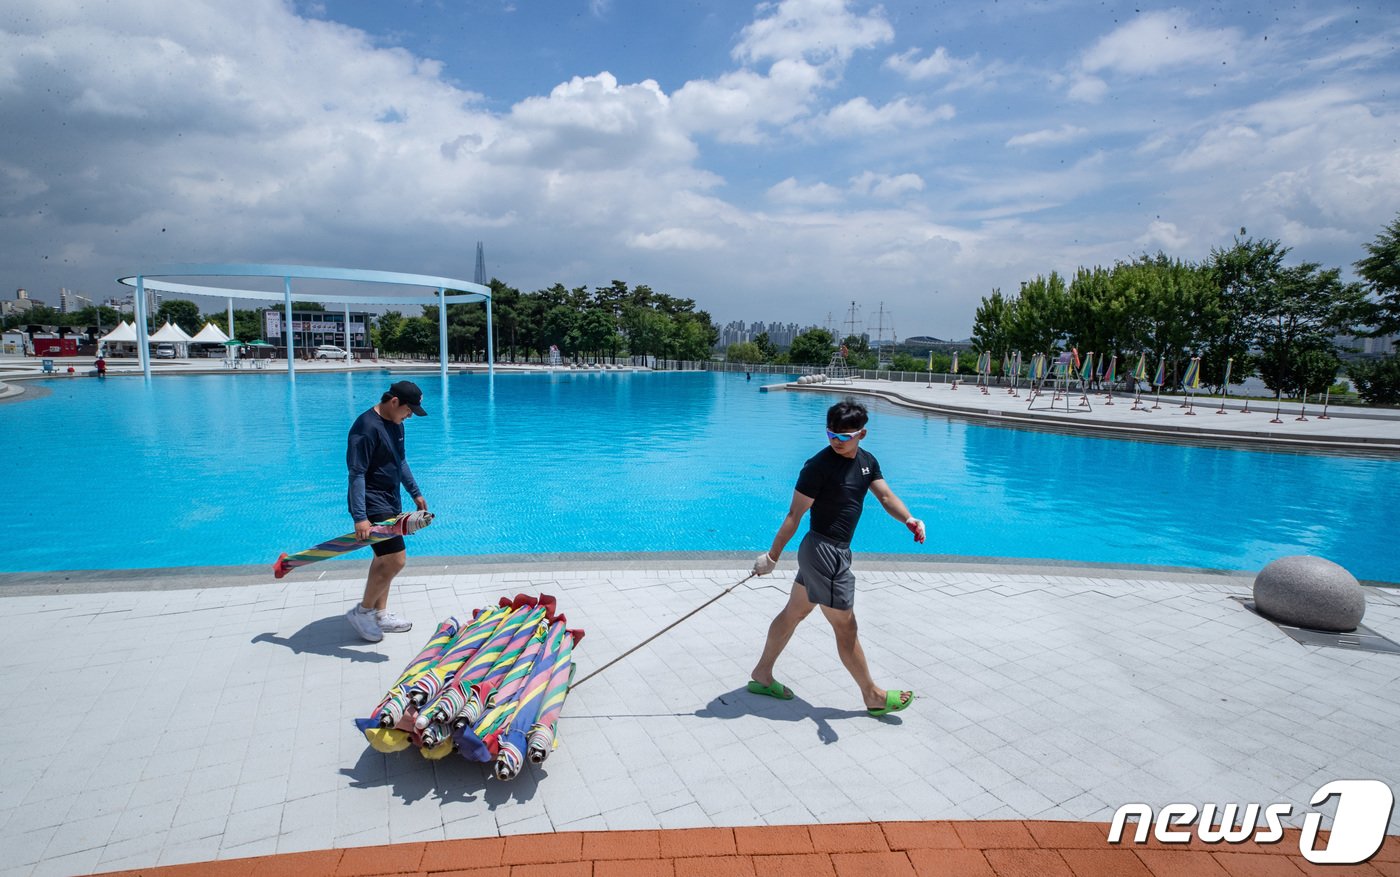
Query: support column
287, 327
442, 330
490, 346
230, 319
349, 356
143, 350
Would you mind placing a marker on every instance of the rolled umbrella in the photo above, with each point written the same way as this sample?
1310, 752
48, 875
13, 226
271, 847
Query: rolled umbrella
1158, 380
451, 701
483, 708
1225, 387
399, 525
468, 674
1110, 374
510, 756
1191, 382
540, 739
499, 628
380, 728
1139, 378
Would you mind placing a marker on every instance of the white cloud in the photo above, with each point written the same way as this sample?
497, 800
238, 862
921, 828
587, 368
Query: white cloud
886, 187
860, 118
1048, 136
1156, 41
676, 239
817, 30
960, 73
1163, 236
1088, 89
790, 191
741, 105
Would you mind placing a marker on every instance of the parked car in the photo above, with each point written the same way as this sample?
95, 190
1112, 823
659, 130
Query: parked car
330, 351
165, 351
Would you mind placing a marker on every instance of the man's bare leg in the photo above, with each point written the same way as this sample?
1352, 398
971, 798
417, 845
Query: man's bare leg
843, 622
780, 631
381, 574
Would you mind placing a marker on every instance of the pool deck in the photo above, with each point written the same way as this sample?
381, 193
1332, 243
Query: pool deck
1347, 430
199, 718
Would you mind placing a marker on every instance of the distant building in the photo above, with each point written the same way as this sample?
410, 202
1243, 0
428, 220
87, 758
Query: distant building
780, 335
313, 328
1359, 347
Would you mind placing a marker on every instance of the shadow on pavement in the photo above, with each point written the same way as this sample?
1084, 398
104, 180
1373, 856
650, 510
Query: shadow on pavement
741, 702
411, 777
325, 636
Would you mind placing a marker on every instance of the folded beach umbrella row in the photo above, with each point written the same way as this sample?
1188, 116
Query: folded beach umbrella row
490, 688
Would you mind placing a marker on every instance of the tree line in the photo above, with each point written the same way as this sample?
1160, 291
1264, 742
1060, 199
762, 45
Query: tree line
1242, 307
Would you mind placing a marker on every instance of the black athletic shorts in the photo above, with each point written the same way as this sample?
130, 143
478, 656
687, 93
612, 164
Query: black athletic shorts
824, 569
388, 546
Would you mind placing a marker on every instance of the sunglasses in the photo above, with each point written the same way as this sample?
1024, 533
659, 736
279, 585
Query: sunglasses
844, 436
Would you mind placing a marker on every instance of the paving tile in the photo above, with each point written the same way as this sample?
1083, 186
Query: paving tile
998, 835
553, 869
599, 846
715, 866
1180, 863
1256, 865
539, 849
920, 835
634, 868
698, 842
848, 838
1104, 863
872, 864
1027, 863
773, 840
801, 865
462, 854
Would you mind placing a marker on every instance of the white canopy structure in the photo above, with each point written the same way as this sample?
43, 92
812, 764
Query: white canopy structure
172, 334
210, 334
124, 332
447, 290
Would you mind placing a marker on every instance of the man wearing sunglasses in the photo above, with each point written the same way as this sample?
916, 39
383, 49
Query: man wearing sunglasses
832, 485
374, 454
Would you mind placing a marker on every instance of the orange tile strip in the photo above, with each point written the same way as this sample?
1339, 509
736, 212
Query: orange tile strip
878, 849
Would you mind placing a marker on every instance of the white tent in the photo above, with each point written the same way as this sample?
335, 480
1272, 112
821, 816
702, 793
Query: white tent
172, 334
124, 334
210, 334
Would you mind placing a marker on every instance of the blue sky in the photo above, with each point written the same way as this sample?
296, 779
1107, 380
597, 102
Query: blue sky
772, 161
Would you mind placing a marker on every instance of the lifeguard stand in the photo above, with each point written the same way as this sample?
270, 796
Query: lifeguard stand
554, 359
838, 371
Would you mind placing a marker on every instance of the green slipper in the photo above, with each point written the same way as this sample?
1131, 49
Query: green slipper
893, 703
775, 689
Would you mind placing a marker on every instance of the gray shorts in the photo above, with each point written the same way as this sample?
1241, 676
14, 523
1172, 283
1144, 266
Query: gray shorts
824, 569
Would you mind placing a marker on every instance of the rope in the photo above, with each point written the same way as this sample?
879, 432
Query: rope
661, 631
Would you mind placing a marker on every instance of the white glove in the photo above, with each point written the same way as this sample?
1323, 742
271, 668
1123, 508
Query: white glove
916, 527
764, 565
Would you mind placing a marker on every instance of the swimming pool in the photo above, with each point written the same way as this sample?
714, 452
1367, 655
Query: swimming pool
234, 469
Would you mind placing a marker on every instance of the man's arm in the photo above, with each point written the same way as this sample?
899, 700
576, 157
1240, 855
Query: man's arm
411, 485
799, 506
357, 462
897, 509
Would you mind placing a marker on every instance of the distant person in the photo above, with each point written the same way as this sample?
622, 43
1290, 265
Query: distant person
833, 485
101, 365
748, 376
374, 455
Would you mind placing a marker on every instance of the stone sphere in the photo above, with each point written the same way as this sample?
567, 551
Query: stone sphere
1311, 592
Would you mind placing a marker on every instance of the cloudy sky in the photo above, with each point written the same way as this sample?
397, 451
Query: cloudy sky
772, 161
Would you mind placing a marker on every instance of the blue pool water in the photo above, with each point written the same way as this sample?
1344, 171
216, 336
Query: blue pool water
234, 469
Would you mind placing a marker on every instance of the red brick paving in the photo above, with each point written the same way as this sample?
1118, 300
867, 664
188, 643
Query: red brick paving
876, 849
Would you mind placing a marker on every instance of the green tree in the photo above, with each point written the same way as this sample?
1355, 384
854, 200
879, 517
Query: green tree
1377, 382
989, 324
744, 353
812, 347
1037, 317
182, 312
765, 346
1380, 270
1297, 315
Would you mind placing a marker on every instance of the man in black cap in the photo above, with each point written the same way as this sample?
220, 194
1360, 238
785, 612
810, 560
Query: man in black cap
374, 455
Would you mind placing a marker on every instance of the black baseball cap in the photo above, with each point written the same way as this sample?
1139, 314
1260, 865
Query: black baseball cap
408, 394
